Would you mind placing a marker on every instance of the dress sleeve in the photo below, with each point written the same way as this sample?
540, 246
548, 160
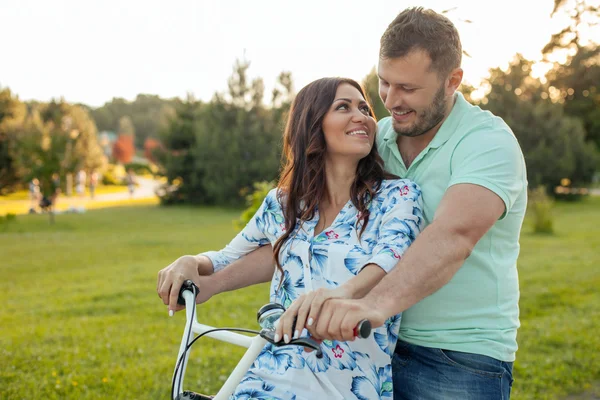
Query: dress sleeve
402, 221
254, 235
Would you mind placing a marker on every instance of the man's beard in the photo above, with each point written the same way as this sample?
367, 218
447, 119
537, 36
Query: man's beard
428, 119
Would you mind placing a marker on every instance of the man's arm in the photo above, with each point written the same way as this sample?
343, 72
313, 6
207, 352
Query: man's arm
464, 215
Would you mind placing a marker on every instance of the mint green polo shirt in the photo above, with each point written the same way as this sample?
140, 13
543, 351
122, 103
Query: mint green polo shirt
477, 311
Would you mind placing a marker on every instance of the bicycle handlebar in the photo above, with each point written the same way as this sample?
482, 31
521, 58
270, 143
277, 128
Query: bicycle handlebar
187, 285
362, 330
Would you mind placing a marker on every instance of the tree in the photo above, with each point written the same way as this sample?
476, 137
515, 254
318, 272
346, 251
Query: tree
150, 147
178, 159
50, 138
82, 150
216, 151
123, 149
42, 149
147, 113
553, 143
12, 115
575, 82
126, 127
582, 15
371, 86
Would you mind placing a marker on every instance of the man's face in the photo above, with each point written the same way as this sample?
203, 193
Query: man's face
414, 94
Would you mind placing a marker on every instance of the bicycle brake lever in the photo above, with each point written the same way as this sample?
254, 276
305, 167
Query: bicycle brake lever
269, 336
310, 343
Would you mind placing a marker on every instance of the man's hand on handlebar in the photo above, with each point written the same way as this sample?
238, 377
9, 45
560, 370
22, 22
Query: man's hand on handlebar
340, 318
304, 311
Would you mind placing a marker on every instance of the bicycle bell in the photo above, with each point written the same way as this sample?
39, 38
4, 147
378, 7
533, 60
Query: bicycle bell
268, 315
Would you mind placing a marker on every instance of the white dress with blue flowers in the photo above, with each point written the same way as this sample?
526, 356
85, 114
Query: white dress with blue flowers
360, 369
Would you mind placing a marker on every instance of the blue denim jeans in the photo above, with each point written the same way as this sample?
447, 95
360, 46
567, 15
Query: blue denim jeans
422, 373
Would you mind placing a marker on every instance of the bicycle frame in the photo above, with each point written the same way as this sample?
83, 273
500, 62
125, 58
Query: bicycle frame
254, 345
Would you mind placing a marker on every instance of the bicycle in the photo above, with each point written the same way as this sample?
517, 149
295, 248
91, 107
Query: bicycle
267, 318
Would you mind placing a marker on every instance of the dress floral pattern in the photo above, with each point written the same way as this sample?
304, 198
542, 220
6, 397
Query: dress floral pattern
360, 369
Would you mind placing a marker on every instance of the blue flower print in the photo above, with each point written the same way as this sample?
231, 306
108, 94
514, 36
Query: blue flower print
359, 369
388, 338
375, 383
279, 359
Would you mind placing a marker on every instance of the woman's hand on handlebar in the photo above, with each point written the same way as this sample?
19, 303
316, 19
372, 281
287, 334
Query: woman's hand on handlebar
172, 277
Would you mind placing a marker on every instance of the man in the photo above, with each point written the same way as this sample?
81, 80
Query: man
457, 284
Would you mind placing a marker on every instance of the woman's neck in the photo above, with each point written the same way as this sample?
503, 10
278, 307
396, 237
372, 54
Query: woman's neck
339, 177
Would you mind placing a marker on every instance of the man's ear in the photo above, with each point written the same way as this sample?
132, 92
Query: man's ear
454, 80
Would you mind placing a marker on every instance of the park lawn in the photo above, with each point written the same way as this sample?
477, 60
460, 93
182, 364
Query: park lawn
81, 318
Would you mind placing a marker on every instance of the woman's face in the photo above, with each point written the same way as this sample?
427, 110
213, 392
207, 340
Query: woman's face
348, 127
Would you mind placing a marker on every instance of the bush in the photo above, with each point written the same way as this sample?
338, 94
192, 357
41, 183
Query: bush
540, 206
113, 175
139, 168
570, 194
253, 201
170, 193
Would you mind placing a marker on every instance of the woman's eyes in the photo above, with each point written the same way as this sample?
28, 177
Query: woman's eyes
363, 108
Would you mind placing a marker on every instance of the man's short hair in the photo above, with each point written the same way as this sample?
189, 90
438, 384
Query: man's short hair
423, 29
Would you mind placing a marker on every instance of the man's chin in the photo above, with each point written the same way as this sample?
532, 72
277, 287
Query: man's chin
403, 130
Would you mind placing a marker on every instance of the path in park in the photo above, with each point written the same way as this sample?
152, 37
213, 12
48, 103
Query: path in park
144, 190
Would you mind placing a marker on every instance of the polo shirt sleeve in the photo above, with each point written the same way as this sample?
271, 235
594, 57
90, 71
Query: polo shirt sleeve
491, 158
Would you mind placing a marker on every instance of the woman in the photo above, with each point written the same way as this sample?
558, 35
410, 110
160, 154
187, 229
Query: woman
336, 225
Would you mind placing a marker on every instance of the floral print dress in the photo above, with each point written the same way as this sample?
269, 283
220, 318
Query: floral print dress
360, 369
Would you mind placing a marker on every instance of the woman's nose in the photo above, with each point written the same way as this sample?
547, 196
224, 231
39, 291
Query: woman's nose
359, 116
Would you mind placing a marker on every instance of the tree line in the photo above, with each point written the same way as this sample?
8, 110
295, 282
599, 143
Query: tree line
213, 152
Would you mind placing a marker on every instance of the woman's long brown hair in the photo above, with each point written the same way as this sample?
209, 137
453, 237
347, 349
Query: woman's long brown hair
302, 182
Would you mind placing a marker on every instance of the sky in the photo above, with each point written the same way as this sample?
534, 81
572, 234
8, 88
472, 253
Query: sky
91, 51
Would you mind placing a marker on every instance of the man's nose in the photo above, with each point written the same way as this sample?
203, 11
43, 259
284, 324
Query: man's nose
393, 99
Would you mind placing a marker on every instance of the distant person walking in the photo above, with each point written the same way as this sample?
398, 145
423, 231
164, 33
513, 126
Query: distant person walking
80, 183
131, 181
93, 183
34, 194
51, 190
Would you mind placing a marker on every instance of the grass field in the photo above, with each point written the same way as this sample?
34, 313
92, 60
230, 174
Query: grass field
80, 317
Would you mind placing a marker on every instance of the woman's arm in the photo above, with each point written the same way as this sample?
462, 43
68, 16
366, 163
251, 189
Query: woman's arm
236, 275
249, 239
362, 283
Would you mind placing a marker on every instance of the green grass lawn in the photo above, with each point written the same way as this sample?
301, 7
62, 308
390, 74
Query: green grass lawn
80, 317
